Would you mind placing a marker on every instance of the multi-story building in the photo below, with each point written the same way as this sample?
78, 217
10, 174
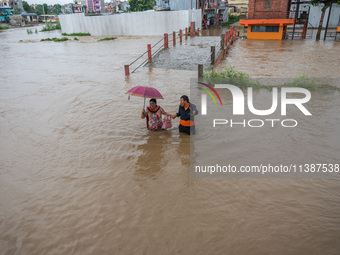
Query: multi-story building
79, 6
12, 4
268, 19
95, 6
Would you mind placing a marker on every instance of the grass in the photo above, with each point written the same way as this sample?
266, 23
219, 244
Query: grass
106, 39
49, 26
55, 39
243, 80
4, 27
231, 76
76, 39
232, 19
309, 83
76, 34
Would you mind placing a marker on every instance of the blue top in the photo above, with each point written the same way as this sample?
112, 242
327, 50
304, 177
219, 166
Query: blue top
185, 114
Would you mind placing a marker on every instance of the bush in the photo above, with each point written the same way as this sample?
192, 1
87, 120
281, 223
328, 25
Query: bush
49, 26
76, 34
107, 39
4, 27
232, 19
243, 80
55, 39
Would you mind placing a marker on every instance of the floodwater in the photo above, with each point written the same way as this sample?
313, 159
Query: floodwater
80, 174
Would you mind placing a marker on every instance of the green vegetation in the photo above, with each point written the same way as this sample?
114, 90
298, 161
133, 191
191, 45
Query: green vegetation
55, 39
232, 19
311, 84
76, 39
4, 27
76, 34
42, 9
243, 80
141, 5
17, 10
49, 26
29, 31
230, 75
106, 39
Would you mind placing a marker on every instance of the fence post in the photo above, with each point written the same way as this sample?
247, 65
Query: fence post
149, 53
198, 31
127, 70
192, 29
186, 33
200, 71
212, 55
166, 41
180, 35
226, 39
174, 37
222, 42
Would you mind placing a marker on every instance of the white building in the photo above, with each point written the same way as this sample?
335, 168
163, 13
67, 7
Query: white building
12, 3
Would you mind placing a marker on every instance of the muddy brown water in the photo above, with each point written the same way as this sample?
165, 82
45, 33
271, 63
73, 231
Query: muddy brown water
80, 174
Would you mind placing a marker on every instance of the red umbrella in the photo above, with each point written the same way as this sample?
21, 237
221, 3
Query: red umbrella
146, 92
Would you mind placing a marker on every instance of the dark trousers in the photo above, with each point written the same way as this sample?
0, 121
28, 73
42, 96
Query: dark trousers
187, 130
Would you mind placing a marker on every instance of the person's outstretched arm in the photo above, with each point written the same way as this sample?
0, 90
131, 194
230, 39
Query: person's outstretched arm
143, 114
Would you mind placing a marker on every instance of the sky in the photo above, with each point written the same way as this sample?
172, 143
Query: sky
51, 2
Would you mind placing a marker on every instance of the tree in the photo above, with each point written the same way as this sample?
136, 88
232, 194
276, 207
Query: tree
26, 6
39, 9
141, 5
46, 9
326, 4
17, 10
56, 9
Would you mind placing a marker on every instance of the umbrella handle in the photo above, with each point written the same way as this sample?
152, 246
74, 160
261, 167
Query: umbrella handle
144, 103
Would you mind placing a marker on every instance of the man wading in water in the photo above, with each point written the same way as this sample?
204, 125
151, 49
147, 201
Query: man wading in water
187, 112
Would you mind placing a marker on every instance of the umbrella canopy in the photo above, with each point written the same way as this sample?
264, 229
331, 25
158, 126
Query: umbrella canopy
146, 92
142, 91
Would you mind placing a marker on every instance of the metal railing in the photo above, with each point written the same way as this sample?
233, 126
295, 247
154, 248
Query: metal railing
169, 35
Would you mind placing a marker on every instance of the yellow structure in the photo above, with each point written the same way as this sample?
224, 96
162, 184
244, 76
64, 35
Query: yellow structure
266, 29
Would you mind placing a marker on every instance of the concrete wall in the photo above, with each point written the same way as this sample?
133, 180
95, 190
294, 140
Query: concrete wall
135, 23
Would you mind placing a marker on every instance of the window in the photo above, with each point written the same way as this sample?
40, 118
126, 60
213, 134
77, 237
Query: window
267, 4
274, 29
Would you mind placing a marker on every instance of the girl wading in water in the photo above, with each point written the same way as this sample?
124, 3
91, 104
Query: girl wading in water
153, 115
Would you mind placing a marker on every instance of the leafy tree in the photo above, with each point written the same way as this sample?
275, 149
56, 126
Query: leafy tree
56, 9
17, 10
46, 9
26, 6
39, 9
141, 5
326, 4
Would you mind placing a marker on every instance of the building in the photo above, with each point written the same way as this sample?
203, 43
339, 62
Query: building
95, 6
12, 4
212, 9
268, 19
5, 13
238, 6
79, 6
176, 5
162, 5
